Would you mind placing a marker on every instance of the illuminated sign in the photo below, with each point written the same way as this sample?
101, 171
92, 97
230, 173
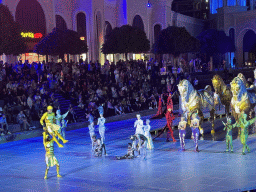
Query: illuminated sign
31, 35
82, 38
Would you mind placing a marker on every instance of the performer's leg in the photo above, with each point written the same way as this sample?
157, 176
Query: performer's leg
102, 135
60, 136
56, 140
231, 144
58, 170
46, 172
170, 132
227, 143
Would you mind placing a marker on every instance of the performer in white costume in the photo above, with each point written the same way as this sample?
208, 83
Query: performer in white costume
60, 120
91, 126
101, 123
139, 125
147, 128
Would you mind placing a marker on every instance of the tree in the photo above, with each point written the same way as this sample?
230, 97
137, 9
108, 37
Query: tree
175, 41
126, 39
60, 42
213, 41
11, 41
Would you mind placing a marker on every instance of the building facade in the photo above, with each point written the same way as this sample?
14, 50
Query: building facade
94, 19
237, 19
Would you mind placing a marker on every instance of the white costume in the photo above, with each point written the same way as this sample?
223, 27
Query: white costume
139, 126
101, 123
91, 127
60, 120
150, 144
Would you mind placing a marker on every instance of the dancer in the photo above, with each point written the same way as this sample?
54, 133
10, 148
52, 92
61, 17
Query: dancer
139, 144
229, 139
91, 126
159, 113
47, 121
50, 158
139, 125
244, 125
130, 153
169, 118
101, 123
182, 132
195, 130
102, 128
60, 120
96, 146
147, 128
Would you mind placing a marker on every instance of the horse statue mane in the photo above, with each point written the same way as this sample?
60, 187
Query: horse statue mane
242, 77
218, 84
238, 88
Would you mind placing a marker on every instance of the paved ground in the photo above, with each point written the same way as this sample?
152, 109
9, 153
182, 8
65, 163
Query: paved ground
165, 169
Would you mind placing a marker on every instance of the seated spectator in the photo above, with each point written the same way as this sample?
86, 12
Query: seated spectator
72, 114
4, 126
22, 120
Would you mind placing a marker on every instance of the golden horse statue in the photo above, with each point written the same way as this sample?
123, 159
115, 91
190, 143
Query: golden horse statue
193, 101
243, 99
223, 92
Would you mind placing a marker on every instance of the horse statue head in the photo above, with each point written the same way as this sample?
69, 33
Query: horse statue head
238, 88
242, 77
218, 84
185, 88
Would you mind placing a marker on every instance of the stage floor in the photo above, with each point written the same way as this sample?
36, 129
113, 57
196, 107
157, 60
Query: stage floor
22, 165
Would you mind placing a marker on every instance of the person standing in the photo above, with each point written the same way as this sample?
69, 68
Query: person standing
50, 158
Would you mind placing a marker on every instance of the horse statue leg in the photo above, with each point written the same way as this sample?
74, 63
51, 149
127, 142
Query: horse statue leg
201, 116
212, 115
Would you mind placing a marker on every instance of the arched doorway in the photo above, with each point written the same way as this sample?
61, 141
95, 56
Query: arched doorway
31, 17
60, 23
81, 25
81, 29
138, 22
108, 29
157, 29
249, 47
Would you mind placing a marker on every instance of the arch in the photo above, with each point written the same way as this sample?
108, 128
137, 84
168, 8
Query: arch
138, 22
108, 29
232, 34
81, 24
249, 41
60, 22
157, 29
30, 15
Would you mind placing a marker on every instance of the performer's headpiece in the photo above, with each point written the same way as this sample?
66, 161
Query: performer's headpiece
138, 115
49, 108
228, 119
148, 121
58, 111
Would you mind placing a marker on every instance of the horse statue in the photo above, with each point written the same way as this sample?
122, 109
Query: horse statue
223, 92
193, 101
244, 99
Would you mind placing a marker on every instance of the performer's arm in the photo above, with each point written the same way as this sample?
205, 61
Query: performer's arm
65, 115
44, 139
42, 119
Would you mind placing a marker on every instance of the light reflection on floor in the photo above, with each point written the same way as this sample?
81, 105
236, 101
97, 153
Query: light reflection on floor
22, 165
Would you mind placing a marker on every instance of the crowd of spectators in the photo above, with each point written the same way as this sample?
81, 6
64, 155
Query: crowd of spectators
124, 87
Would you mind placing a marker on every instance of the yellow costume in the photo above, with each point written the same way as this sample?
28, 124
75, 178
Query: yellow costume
50, 158
48, 122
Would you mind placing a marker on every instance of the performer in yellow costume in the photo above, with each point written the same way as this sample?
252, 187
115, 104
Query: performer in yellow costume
48, 122
50, 158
